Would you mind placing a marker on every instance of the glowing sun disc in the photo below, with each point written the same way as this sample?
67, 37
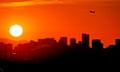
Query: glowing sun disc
16, 30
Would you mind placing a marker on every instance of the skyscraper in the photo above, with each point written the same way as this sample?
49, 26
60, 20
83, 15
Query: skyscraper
117, 42
63, 41
96, 44
72, 42
85, 40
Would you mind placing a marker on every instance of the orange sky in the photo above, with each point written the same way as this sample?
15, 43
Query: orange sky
62, 19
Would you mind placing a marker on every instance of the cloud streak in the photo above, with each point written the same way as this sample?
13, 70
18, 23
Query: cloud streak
27, 3
16, 3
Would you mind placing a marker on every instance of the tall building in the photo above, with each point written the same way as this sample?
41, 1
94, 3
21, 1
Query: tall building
85, 40
72, 42
5, 50
96, 44
117, 42
9, 50
63, 41
79, 44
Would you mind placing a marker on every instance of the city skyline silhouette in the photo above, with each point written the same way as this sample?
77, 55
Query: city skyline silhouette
48, 51
59, 35
52, 44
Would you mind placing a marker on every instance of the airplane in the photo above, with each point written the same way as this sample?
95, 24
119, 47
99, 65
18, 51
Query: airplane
92, 11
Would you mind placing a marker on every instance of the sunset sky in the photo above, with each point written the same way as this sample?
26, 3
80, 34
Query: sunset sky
57, 18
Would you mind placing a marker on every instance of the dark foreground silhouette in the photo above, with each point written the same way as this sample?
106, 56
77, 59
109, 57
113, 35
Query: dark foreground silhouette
48, 54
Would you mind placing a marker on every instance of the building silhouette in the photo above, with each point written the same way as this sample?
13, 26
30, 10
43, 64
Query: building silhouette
85, 40
117, 42
73, 42
79, 44
96, 44
63, 42
5, 50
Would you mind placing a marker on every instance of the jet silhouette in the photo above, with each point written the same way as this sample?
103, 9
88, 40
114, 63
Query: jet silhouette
92, 11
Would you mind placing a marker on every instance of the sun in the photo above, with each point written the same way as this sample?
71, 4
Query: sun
16, 30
